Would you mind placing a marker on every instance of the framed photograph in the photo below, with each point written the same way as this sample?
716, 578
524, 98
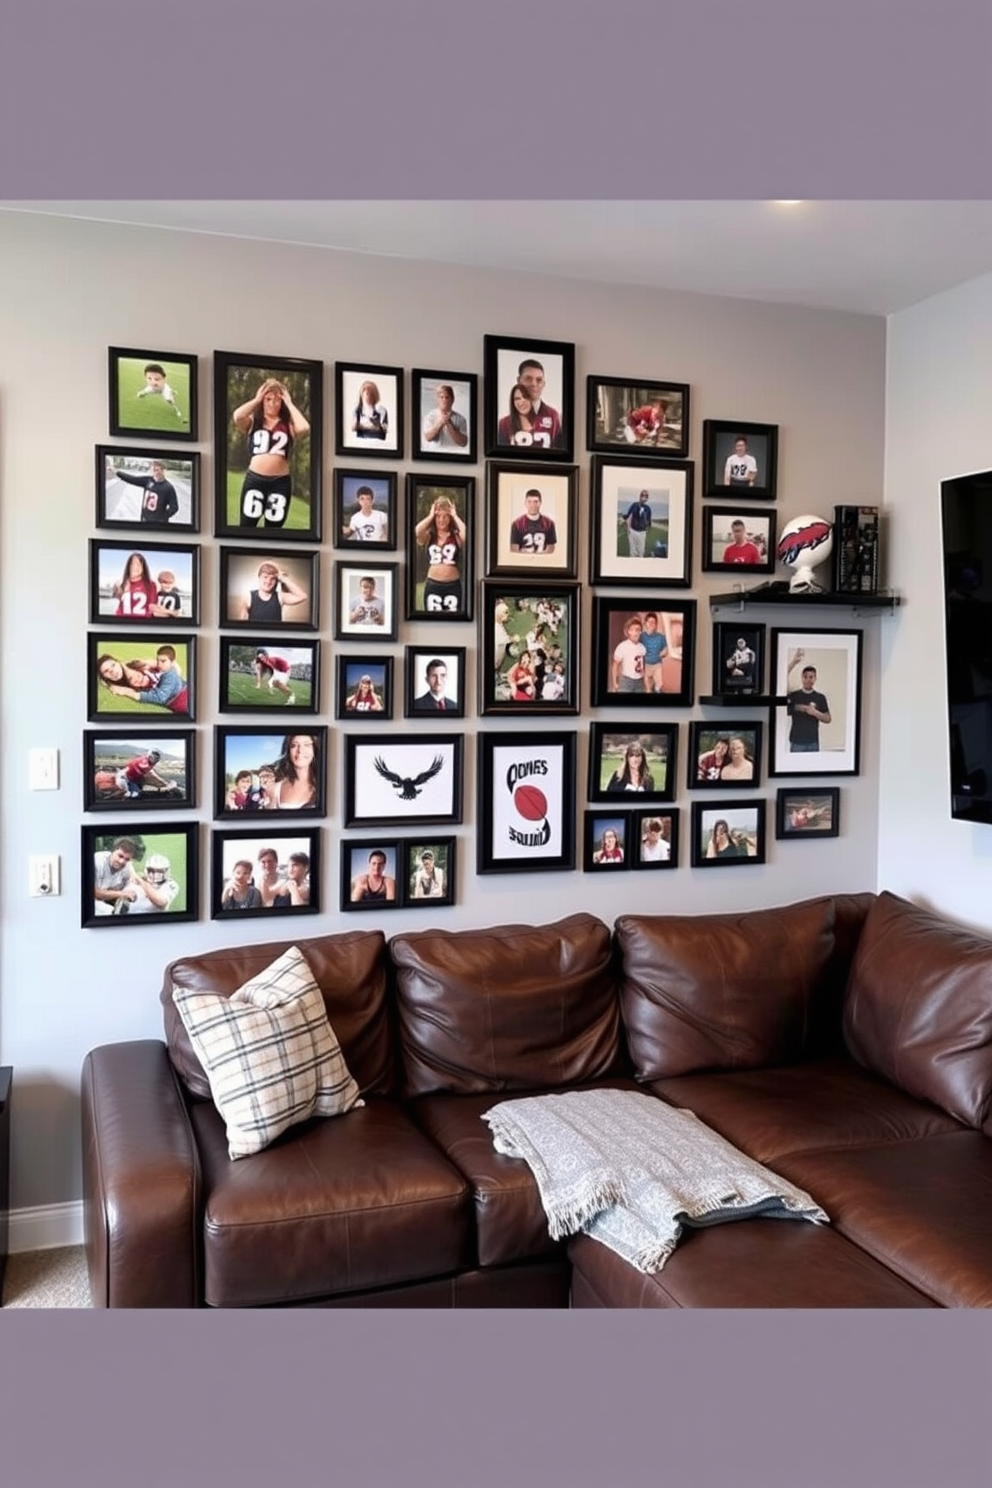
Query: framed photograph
606, 841
428, 865
529, 648
721, 758
372, 873
641, 525
391, 780
643, 652
369, 410
365, 601
152, 392
440, 543
623, 414
147, 489
148, 874
132, 771
444, 407
144, 584
735, 539
812, 813
152, 677
526, 807
268, 446
256, 771
271, 871
740, 457
435, 682
532, 519
654, 839
260, 590
530, 398
364, 509
818, 725
738, 658
624, 760
259, 677
365, 687
729, 835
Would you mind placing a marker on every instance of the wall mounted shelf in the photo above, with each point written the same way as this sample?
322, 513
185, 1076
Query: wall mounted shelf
778, 594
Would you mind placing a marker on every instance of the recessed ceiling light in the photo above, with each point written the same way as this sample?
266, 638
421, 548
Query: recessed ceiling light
787, 203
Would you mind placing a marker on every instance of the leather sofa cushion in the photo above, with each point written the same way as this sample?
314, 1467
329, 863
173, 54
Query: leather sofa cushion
825, 1103
332, 1207
725, 991
919, 1008
750, 1263
923, 1209
516, 1007
351, 971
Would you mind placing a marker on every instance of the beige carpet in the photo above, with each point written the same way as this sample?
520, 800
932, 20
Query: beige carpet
47, 1278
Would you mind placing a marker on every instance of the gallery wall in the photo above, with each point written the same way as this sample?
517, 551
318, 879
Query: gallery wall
75, 288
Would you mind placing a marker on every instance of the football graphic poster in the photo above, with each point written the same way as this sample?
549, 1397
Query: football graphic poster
528, 803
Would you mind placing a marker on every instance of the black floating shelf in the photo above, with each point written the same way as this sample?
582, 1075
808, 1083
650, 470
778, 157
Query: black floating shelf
739, 700
779, 594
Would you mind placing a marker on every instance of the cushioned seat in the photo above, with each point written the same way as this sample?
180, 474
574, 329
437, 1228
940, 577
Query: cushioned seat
749, 1263
826, 1103
362, 1201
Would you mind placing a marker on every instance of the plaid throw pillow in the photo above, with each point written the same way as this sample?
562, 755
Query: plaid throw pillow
269, 1052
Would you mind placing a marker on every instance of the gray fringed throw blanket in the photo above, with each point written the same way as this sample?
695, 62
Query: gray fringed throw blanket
630, 1170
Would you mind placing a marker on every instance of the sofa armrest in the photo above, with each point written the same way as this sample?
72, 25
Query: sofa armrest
142, 1192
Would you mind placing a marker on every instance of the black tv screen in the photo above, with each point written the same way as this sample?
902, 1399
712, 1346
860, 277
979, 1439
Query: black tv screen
966, 519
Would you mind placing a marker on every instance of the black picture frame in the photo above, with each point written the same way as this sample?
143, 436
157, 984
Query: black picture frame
395, 780
605, 841
738, 671
654, 841
284, 503
164, 591
738, 540
614, 620
744, 824
377, 605
720, 437
153, 393
733, 744
612, 404
426, 405
628, 762
423, 888
440, 541
813, 813
130, 495
361, 701
254, 766
142, 664
431, 688
615, 529
533, 520
526, 802
385, 891
128, 888
121, 773
298, 877
836, 658
259, 676
505, 360
385, 416
508, 614
379, 530
245, 574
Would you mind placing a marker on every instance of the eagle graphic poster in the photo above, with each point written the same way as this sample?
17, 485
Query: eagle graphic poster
392, 779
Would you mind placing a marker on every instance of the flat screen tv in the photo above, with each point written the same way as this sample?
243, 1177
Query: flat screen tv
966, 519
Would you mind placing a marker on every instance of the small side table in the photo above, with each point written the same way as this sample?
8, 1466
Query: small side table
6, 1075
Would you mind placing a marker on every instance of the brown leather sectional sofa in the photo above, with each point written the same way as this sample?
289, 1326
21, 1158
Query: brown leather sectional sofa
846, 1042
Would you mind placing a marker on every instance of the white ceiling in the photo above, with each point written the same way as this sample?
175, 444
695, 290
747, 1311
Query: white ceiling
869, 257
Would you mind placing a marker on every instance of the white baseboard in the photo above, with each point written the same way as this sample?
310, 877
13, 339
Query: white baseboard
45, 1227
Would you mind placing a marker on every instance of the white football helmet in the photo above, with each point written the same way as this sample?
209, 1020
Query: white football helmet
157, 868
